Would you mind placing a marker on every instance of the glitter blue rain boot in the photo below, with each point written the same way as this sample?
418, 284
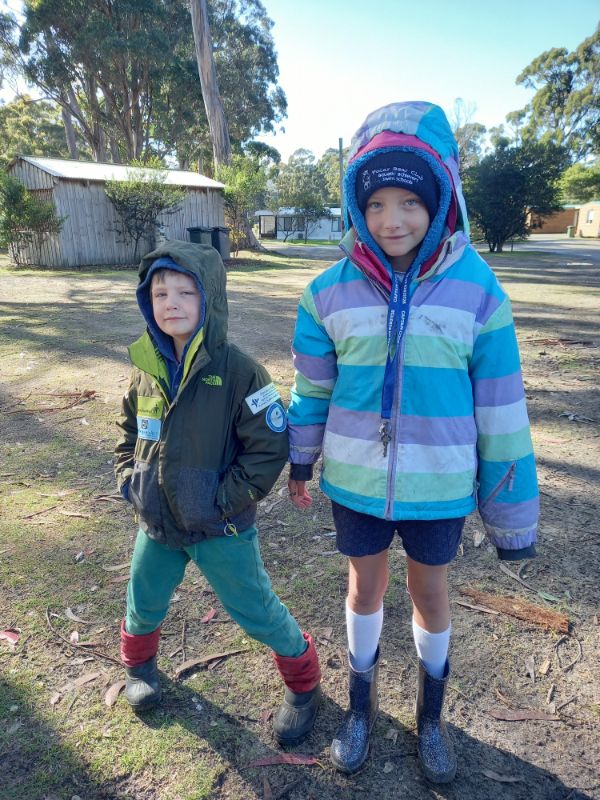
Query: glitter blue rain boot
350, 747
436, 753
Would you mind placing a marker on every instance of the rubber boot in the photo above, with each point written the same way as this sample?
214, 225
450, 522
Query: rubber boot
142, 682
350, 747
436, 752
142, 685
295, 717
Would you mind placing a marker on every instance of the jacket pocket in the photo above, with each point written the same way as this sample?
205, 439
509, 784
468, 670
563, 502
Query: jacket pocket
144, 493
507, 478
197, 508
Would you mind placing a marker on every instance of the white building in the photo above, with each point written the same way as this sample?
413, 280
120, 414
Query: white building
288, 223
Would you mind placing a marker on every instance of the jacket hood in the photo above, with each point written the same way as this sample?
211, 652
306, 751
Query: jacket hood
420, 128
203, 263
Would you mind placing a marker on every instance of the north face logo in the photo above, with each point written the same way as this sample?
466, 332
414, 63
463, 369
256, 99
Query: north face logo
213, 380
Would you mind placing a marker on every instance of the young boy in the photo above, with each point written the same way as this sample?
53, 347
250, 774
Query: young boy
203, 439
408, 381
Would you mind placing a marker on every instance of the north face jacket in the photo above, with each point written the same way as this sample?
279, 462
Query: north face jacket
203, 441
459, 432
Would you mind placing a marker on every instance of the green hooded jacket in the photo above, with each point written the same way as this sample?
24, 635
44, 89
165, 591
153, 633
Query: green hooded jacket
195, 465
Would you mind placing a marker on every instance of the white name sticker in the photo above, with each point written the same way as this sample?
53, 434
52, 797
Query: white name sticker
262, 398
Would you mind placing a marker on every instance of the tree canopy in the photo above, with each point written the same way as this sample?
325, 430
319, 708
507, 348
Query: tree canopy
32, 127
565, 108
581, 183
302, 186
126, 73
510, 182
245, 182
140, 200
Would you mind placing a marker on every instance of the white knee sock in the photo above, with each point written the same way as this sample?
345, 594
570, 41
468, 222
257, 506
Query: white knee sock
363, 632
432, 649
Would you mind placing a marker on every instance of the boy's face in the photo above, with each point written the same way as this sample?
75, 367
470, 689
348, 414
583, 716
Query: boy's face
398, 221
176, 306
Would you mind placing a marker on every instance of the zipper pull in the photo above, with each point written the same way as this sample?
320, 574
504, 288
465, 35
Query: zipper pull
385, 435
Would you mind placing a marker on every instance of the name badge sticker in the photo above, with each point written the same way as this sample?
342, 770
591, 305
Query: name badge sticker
149, 415
148, 428
262, 398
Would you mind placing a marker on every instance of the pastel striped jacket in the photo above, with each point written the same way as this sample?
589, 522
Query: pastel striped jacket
460, 431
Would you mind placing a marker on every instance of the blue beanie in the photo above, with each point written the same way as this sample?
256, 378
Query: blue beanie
402, 169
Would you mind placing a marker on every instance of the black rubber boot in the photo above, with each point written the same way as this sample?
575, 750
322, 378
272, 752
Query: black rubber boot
436, 752
295, 717
350, 747
142, 685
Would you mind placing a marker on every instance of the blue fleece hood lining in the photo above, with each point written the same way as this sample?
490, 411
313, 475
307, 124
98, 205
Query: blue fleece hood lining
436, 227
162, 340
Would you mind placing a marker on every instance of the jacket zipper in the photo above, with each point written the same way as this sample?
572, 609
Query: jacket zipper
393, 450
508, 476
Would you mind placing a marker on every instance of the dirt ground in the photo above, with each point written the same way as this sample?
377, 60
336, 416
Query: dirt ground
65, 541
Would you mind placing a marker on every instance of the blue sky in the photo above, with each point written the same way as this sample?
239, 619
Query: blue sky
340, 59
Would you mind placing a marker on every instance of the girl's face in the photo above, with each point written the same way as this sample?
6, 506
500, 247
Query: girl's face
398, 221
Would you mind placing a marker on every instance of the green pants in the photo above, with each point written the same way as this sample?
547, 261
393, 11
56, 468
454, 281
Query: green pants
234, 568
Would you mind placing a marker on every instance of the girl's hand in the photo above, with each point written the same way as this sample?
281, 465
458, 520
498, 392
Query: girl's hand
298, 494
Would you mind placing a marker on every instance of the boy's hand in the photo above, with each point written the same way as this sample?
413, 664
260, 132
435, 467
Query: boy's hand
298, 494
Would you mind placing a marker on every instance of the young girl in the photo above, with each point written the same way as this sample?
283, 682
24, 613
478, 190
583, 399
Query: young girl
408, 380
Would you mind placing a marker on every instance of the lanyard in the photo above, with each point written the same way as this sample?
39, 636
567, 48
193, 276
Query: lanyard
396, 327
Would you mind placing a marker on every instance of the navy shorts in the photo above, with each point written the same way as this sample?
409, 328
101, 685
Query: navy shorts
429, 541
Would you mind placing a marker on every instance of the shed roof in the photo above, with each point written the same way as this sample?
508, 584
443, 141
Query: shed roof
95, 171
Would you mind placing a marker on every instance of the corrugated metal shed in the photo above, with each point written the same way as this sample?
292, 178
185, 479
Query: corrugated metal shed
89, 234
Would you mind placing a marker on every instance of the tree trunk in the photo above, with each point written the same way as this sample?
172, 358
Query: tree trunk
251, 242
67, 120
114, 150
208, 81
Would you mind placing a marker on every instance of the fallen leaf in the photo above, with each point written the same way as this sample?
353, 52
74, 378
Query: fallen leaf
284, 758
572, 417
209, 615
74, 618
120, 579
74, 514
56, 698
530, 668
388, 767
520, 714
551, 598
12, 635
87, 678
113, 692
202, 661
116, 567
545, 668
81, 681
476, 608
495, 776
266, 715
